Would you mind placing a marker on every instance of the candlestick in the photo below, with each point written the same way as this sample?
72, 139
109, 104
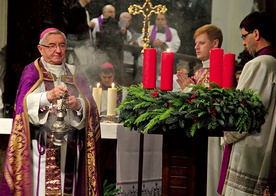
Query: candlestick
149, 68
216, 66
228, 70
97, 94
111, 100
167, 62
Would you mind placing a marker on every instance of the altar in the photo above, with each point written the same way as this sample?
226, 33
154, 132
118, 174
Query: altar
171, 166
126, 156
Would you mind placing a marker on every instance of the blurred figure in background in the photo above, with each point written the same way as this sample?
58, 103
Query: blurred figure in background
96, 23
108, 40
79, 35
237, 76
106, 78
130, 56
162, 37
78, 22
106, 75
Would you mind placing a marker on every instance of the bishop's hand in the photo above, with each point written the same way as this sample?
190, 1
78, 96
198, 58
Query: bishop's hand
73, 103
56, 93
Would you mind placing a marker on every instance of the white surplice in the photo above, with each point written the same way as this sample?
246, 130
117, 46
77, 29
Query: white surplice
253, 155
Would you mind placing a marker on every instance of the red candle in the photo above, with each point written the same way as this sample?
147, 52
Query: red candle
216, 66
228, 70
166, 79
149, 68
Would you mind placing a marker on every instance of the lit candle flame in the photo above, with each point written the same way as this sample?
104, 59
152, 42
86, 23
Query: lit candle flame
112, 85
98, 85
168, 50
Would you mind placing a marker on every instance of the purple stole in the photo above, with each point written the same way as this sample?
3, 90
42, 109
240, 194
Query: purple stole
17, 178
269, 50
201, 76
224, 167
131, 31
53, 177
167, 32
100, 21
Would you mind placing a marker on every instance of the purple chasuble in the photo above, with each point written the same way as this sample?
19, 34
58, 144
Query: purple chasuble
17, 178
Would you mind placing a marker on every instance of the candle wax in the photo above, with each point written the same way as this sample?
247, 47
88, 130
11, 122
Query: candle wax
167, 62
216, 66
149, 68
228, 70
97, 95
111, 101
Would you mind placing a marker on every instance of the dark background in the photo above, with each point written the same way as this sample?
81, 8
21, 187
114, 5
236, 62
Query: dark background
27, 19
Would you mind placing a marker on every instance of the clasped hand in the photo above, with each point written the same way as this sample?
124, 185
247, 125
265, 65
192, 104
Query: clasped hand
157, 43
183, 80
57, 92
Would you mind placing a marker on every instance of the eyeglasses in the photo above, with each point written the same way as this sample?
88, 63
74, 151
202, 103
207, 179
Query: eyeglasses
54, 46
244, 36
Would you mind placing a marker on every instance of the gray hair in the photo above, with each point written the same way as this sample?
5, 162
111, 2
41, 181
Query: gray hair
44, 38
124, 13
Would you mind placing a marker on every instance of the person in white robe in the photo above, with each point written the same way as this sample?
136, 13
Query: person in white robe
252, 164
162, 37
206, 37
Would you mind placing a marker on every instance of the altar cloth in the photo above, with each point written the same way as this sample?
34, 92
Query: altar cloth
127, 157
128, 163
108, 130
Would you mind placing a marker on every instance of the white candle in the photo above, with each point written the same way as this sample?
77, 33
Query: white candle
97, 94
111, 100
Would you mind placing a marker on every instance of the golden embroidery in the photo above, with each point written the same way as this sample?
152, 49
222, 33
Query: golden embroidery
52, 171
18, 159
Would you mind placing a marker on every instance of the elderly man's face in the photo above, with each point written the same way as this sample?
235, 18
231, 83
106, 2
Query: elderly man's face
53, 50
109, 12
160, 21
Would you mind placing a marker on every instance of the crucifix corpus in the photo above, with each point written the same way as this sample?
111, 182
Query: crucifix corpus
147, 9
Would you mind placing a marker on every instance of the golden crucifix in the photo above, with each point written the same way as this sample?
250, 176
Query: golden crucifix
146, 10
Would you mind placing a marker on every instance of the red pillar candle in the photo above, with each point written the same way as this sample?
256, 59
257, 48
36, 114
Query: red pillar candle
216, 66
228, 70
166, 75
149, 68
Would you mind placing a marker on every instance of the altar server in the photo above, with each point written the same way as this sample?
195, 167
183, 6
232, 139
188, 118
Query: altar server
206, 37
252, 164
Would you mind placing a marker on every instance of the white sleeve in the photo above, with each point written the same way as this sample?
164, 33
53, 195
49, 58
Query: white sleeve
78, 118
257, 75
96, 28
33, 106
174, 44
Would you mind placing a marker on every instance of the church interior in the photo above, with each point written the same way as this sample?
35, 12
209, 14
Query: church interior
21, 23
